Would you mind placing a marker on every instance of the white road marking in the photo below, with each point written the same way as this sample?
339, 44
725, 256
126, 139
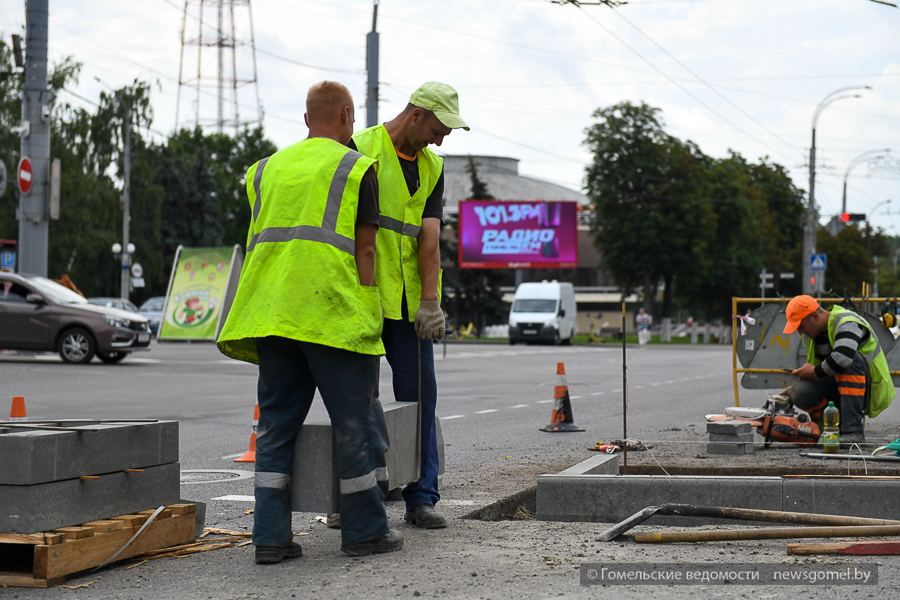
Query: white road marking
231, 456
450, 417
544, 401
616, 391
485, 412
596, 393
236, 498
574, 397
518, 406
656, 384
670, 381
638, 387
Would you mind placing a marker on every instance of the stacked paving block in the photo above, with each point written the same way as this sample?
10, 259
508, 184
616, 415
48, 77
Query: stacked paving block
315, 480
730, 437
55, 478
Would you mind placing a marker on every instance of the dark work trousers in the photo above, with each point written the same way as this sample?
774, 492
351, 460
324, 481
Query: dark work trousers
289, 373
408, 356
848, 391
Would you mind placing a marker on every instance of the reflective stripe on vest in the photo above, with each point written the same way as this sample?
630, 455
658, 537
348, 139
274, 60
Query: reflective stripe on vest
327, 233
300, 280
399, 226
256, 179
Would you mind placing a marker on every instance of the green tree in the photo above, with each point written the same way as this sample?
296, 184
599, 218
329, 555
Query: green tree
701, 226
850, 257
648, 199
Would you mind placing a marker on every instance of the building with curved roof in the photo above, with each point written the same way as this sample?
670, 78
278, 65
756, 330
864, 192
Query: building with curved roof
500, 175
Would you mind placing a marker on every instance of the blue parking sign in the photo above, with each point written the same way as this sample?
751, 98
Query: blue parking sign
7, 260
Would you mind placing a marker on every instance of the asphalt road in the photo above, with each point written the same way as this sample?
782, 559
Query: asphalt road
492, 401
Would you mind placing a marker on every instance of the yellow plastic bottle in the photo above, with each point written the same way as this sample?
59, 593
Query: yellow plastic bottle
831, 430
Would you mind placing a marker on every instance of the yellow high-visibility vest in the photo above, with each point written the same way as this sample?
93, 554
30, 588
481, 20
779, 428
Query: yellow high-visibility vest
299, 278
397, 246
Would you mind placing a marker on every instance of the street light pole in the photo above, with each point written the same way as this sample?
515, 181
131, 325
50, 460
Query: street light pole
868, 156
809, 230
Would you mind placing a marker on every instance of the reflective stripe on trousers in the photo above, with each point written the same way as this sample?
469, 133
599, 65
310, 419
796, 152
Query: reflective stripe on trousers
278, 481
364, 482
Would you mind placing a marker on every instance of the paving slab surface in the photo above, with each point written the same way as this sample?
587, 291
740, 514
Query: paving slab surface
42, 456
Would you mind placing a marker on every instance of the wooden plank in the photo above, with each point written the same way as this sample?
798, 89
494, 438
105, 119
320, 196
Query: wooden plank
21, 538
183, 508
75, 533
132, 521
12, 579
165, 514
852, 548
78, 555
105, 525
39, 564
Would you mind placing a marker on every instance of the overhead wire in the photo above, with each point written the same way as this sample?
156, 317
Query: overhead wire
269, 53
696, 98
208, 93
464, 33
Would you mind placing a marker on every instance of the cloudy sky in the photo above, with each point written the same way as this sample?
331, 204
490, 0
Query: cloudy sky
728, 74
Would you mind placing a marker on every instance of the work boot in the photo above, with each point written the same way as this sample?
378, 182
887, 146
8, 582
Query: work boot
270, 555
857, 437
424, 516
333, 521
389, 542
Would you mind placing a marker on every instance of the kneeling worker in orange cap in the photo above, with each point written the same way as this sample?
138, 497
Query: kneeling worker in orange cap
844, 364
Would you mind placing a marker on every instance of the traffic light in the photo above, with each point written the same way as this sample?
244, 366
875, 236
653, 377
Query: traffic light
852, 217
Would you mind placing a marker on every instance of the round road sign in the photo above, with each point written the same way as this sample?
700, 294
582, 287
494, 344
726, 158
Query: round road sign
137, 270
24, 174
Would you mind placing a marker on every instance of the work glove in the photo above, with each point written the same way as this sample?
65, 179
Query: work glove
430, 320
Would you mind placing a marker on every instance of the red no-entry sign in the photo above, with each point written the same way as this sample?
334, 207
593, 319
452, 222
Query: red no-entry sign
24, 174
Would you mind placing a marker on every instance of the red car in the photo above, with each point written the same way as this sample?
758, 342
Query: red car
40, 315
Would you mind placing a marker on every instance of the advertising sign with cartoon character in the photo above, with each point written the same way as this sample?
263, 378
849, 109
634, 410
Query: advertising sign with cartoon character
198, 290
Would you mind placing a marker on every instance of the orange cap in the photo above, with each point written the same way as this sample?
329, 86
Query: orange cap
798, 309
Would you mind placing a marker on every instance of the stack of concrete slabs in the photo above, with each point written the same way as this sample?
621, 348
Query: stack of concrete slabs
52, 478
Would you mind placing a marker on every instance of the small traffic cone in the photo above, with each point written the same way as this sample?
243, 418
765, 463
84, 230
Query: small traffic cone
17, 411
250, 454
561, 419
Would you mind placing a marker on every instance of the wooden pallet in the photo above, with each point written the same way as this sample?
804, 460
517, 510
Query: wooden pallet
45, 559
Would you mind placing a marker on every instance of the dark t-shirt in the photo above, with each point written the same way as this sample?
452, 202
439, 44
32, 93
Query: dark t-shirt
434, 205
367, 210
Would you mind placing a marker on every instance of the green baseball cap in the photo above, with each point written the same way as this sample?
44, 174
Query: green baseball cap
442, 100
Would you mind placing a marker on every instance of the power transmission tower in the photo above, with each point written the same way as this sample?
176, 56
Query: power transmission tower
223, 99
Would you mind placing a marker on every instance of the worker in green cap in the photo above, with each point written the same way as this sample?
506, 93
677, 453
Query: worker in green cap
407, 270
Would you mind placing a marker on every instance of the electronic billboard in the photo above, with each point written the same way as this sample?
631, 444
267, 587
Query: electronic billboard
518, 235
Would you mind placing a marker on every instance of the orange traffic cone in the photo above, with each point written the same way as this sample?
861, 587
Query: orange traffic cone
250, 454
561, 419
17, 411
